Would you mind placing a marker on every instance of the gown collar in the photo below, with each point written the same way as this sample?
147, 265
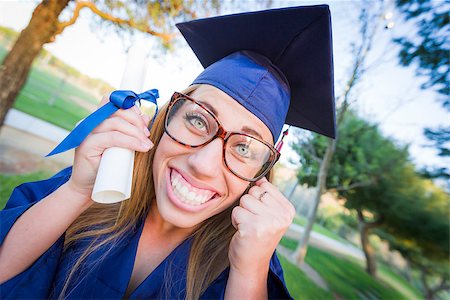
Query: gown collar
116, 269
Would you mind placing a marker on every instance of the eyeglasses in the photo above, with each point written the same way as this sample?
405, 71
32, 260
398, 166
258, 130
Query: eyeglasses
193, 125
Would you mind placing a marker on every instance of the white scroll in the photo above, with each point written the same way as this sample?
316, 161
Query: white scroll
115, 173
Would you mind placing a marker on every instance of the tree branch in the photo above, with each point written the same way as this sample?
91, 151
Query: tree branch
352, 186
166, 37
368, 224
72, 20
312, 152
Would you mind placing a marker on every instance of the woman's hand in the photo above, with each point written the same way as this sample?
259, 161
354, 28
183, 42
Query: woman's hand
125, 129
261, 219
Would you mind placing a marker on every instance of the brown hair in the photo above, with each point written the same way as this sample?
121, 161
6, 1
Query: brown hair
106, 224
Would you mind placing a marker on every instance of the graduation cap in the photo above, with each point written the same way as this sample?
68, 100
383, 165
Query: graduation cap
277, 63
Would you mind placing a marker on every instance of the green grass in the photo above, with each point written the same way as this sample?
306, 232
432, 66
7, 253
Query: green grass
42, 86
398, 282
299, 285
348, 279
9, 182
39, 89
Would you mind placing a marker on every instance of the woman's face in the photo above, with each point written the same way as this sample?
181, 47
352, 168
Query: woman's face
201, 172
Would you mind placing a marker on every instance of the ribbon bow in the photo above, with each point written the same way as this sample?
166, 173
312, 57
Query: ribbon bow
117, 100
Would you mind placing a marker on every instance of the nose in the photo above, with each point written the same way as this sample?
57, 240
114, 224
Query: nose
207, 161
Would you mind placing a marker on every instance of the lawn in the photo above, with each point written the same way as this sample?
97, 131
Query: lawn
299, 285
398, 282
348, 280
9, 182
44, 86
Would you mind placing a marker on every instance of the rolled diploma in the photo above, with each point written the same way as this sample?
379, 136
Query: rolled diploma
115, 172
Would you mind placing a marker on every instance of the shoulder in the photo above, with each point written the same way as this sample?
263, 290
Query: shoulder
30, 192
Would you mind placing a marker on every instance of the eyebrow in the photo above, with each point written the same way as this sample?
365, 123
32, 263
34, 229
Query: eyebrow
244, 129
252, 132
210, 107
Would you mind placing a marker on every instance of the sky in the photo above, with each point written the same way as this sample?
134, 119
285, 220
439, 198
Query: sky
388, 95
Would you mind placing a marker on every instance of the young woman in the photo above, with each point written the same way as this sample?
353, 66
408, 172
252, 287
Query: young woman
203, 220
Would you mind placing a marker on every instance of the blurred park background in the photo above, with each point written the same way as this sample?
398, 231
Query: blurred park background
372, 206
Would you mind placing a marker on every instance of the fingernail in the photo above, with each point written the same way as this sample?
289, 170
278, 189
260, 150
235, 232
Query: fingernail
147, 144
146, 131
136, 109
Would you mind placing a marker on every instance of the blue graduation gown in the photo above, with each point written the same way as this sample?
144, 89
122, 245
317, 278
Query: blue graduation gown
106, 273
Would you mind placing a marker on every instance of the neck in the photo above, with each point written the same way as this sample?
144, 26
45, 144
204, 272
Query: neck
159, 227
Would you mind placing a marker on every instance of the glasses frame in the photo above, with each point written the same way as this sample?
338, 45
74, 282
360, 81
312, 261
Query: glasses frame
223, 134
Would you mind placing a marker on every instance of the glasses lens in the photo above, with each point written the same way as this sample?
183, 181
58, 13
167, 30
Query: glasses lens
247, 156
192, 125
189, 123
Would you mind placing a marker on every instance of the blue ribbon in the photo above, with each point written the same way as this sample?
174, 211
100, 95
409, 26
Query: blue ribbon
117, 100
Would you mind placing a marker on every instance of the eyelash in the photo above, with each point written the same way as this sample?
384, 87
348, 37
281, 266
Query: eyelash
190, 116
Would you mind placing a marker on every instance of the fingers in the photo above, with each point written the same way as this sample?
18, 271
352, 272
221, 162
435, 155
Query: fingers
269, 187
270, 196
239, 216
132, 115
251, 204
103, 140
121, 125
130, 122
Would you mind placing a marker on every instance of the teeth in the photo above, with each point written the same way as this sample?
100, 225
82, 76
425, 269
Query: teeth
187, 193
191, 196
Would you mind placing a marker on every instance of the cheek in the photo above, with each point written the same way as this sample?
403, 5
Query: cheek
236, 186
162, 153
236, 189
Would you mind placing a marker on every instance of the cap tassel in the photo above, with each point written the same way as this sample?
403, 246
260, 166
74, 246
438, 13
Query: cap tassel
280, 143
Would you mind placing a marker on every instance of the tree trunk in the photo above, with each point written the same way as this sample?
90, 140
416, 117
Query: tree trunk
300, 253
369, 253
371, 265
15, 67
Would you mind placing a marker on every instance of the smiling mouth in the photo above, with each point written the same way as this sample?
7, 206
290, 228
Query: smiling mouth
187, 193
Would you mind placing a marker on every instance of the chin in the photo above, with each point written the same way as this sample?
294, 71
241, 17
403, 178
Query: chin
176, 220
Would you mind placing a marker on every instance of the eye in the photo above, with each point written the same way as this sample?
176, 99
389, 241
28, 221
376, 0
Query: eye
242, 150
197, 121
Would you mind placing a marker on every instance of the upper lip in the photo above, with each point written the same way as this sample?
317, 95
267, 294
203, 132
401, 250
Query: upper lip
194, 182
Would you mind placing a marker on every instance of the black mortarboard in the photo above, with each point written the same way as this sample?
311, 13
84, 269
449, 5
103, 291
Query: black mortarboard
247, 54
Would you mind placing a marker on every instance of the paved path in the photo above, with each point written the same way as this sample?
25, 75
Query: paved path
326, 243
307, 269
24, 142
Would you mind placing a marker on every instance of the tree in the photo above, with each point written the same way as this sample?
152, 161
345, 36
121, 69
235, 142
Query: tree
373, 177
440, 140
429, 50
365, 172
152, 17
370, 16
425, 247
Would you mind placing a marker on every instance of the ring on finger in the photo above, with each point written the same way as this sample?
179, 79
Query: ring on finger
262, 195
